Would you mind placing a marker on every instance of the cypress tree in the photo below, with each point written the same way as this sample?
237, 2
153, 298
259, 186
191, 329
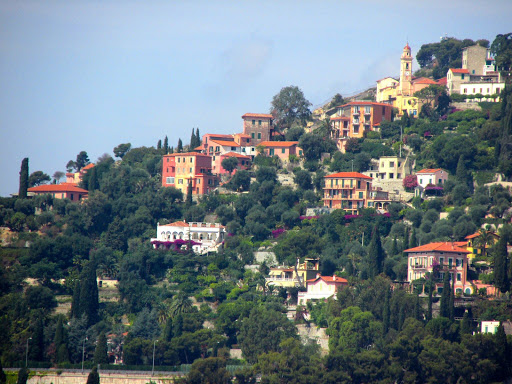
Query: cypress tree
465, 326
3, 376
171, 150
188, 201
159, 144
502, 349
401, 316
417, 309
75, 304
166, 145
177, 325
101, 351
59, 333
198, 137
386, 312
62, 354
394, 247
430, 293
22, 376
500, 266
89, 302
413, 242
376, 254
92, 184
22, 193
37, 349
180, 146
406, 238
445, 296
451, 302
94, 377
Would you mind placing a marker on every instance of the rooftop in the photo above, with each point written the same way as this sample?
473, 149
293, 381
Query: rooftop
438, 247
278, 143
349, 175
63, 187
265, 115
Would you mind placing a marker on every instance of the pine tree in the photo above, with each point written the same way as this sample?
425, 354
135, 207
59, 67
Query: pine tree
413, 243
166, 145
159, 145
22, 193
180, 146
100, 353
376, 254
89, 303
94, 377
444, 309
500, 266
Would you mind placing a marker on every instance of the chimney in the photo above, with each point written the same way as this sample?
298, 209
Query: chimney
317, 275
333, 277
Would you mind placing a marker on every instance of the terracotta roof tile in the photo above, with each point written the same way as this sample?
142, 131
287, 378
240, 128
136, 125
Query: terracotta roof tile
279, 143
430, 170
459, 70
349, 175
439, 247
234, 154
257, 115
329, 280
225, 143
63, 187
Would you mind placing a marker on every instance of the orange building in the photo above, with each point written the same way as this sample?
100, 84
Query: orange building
180, 169
60, 191
281, 149
351, 191
357, 118
77, 177
258, 126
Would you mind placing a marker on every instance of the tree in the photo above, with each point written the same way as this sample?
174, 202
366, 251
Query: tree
23, 376
501, 48
290, 106
444, 309
303, 179
229, 164
122, 149
100, 353
57, 175
462, 174
188, 200
3, 376
376, 254
430, 95
166, 145
94, 377
240, 182
180, 304
501, 266
314, 145
82, 159
180, 146
89, 302
211, 370
37, 178
22, 194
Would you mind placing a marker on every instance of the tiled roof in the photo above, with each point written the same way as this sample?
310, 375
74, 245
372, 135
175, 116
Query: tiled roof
258, 115
424, 80
193, 225
438, 247
340, 118
63, 187
279, 143
225, 143
442, 81
329, 280
476, 234
373, 103
430, 170
459, 70
234, 154
349, 175
187, 154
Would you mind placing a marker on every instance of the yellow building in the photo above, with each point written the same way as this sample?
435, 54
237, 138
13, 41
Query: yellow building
289, 277
479, 242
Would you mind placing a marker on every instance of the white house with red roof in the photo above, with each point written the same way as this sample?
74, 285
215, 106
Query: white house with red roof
438, 259
60, 191
202, 237
321, 288
433, 176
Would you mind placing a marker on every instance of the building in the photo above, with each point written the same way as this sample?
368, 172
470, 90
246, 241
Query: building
321, 288
60, 191
389, 168
297, 276
258, 126
351, 191
202, 237
244, 161
217, 148
180, 169
281, 149
438, 259
77, 177
478, 75
430, 177
356, 119
475, 248
489, 326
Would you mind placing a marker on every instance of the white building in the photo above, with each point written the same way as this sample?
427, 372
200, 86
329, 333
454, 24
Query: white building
202, 237
389, 168
489, 326
321, 288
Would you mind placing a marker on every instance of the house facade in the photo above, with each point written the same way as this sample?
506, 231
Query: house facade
390, 168
77, 177
474, 247
351, 191
201, 237
281, 149
181, 169
60, 191
297, 276
258, 126
438, 259
428, 176
321, 288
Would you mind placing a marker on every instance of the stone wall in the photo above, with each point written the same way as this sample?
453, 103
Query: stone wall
316, 334
463, 106
51, 377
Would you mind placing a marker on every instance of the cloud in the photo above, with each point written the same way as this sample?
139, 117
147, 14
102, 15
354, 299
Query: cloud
246, 59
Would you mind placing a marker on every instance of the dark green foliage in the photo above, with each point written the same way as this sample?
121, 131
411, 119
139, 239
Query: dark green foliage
314, 145
465, 326
37, 178
22, 193
290, 106
444, 309
100, 353
501, 279
94, 377
180, 146
376, 254
166, 145
3, 376
23, 376
89, 303
209, 371
501, 47
122, 149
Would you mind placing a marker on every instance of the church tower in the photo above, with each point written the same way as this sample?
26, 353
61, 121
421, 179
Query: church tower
406, 72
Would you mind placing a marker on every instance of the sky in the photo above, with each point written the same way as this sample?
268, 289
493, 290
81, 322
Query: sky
87, 75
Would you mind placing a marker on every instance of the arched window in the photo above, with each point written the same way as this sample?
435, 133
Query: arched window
174, 235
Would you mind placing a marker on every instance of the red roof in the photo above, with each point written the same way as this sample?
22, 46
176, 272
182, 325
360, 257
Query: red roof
225, 143
430, 170
424, 80
266, 115
88, 166
329, 280
442, 81
185, 224
476, 234
366, 103
186, 154
349, 175
459, 70
279, 143
438, 247
234, 154
340, 118
63, 187
407, 46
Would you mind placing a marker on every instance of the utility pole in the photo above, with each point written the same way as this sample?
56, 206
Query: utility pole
26, 353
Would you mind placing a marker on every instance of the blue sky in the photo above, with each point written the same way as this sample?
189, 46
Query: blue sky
89, 75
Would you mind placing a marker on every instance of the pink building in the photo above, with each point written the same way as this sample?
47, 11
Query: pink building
77, 177
282, 149
60, 191
258, 126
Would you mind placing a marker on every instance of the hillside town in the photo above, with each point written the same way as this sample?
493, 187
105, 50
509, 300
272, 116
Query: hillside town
367, 240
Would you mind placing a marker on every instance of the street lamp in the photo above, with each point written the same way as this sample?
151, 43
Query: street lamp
83, 353
26, 353
153, 369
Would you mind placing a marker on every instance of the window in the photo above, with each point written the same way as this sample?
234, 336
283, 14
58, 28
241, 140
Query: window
358, 184
462, 76
198, 181
392, 164
179, 160
398, 175
71, 196
283, 150
191, 160
180, 181
367, 110
356, 109
167, 159
252, 135
441, 260
259, 135
190, 170
259, 122
450, 261
459, 276
254, 122
217, 149
360, 195
169, 180
391, 175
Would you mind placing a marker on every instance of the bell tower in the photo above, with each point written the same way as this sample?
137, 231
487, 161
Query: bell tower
406, 72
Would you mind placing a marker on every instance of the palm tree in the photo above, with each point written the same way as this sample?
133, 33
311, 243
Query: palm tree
180, 304
484, 238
